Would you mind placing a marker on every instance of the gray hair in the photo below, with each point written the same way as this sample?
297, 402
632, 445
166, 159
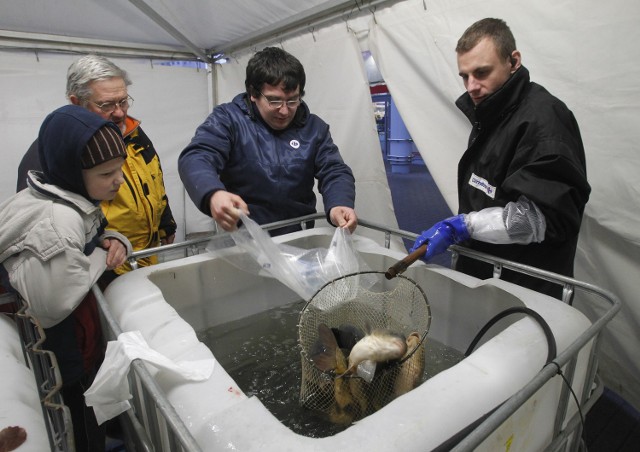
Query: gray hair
88, 69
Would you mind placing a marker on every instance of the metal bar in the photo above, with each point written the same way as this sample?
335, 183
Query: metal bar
312, 17
278, 224
548, 371
41, 41
565, 395
525, 269
574, 423
137, 435
173, 31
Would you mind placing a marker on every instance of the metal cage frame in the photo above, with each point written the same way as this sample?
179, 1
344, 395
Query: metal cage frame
155, 425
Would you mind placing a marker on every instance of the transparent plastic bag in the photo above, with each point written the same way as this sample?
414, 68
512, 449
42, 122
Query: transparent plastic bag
303, 271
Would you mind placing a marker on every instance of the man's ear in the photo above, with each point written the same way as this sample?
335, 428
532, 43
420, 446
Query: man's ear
74, 99
516, 61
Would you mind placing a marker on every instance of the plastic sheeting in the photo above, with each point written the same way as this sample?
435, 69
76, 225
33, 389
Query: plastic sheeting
585, 53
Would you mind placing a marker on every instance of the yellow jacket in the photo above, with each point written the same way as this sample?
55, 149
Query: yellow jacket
140, 211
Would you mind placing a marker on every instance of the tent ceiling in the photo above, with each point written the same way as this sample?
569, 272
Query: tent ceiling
186, 27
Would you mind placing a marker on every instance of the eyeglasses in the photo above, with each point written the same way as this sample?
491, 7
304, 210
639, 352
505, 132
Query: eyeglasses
110, 107
278, 103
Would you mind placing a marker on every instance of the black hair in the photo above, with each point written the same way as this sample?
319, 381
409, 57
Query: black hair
274, 66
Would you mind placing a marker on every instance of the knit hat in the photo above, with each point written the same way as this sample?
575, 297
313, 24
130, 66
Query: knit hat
105, 144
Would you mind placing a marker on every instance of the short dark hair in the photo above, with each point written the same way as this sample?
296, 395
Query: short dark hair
274, 66
495, 29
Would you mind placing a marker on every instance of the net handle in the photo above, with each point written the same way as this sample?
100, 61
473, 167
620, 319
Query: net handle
403, 264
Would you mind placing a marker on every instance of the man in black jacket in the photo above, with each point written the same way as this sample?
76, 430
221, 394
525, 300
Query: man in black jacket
522, 184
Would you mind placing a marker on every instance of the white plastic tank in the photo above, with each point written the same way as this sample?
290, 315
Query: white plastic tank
166, 302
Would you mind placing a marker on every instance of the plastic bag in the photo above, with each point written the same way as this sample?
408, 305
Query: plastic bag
109, 394
303, 271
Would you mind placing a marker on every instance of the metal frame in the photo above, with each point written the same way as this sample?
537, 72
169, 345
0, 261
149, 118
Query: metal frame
185, 49
309, 19
43, 364
159, 416
568, 357
151, 415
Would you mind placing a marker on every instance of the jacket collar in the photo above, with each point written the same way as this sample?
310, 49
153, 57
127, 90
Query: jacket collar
498, 104
36, 182
131, 124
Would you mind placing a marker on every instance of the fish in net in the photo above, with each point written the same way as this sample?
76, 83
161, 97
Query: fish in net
361, 339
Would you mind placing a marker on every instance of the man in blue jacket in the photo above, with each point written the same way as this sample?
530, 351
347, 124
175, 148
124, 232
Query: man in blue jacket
522, 182
261, 152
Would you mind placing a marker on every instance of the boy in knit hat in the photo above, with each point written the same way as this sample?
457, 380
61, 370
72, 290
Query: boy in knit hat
54, 247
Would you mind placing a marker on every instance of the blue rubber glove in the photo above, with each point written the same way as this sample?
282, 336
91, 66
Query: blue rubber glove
441, 235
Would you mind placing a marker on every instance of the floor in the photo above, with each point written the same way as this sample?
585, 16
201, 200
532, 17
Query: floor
612, 425
417, 201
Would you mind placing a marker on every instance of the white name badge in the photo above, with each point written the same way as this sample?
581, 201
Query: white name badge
482, 185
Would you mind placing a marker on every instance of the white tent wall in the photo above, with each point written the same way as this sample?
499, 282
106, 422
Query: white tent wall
585, 53
169, 100
337, 90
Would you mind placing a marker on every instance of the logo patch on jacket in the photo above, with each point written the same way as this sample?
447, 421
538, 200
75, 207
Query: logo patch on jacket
482, 185
295, 144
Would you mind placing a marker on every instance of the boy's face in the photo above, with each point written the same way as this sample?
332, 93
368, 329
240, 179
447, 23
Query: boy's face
103, 181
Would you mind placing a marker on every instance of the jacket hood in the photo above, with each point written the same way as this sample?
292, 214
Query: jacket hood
63, 137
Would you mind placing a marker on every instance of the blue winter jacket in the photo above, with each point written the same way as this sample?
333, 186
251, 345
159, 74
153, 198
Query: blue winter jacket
273, 171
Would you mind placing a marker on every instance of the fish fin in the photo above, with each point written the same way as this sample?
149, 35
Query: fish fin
342, 367
341, 362
325, 358
413, 340
344, 374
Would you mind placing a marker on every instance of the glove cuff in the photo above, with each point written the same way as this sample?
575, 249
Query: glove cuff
459, 226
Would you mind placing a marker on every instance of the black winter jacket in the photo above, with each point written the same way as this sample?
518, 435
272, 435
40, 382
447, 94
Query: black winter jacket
527, 142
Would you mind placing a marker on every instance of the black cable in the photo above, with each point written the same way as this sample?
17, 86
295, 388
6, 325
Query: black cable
575, 397
551, 340
551, 354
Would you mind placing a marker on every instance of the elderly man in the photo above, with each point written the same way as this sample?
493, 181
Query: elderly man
140, 211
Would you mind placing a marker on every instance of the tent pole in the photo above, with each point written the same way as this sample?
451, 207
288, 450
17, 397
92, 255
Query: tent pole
158, 19
317, 16
15, 40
